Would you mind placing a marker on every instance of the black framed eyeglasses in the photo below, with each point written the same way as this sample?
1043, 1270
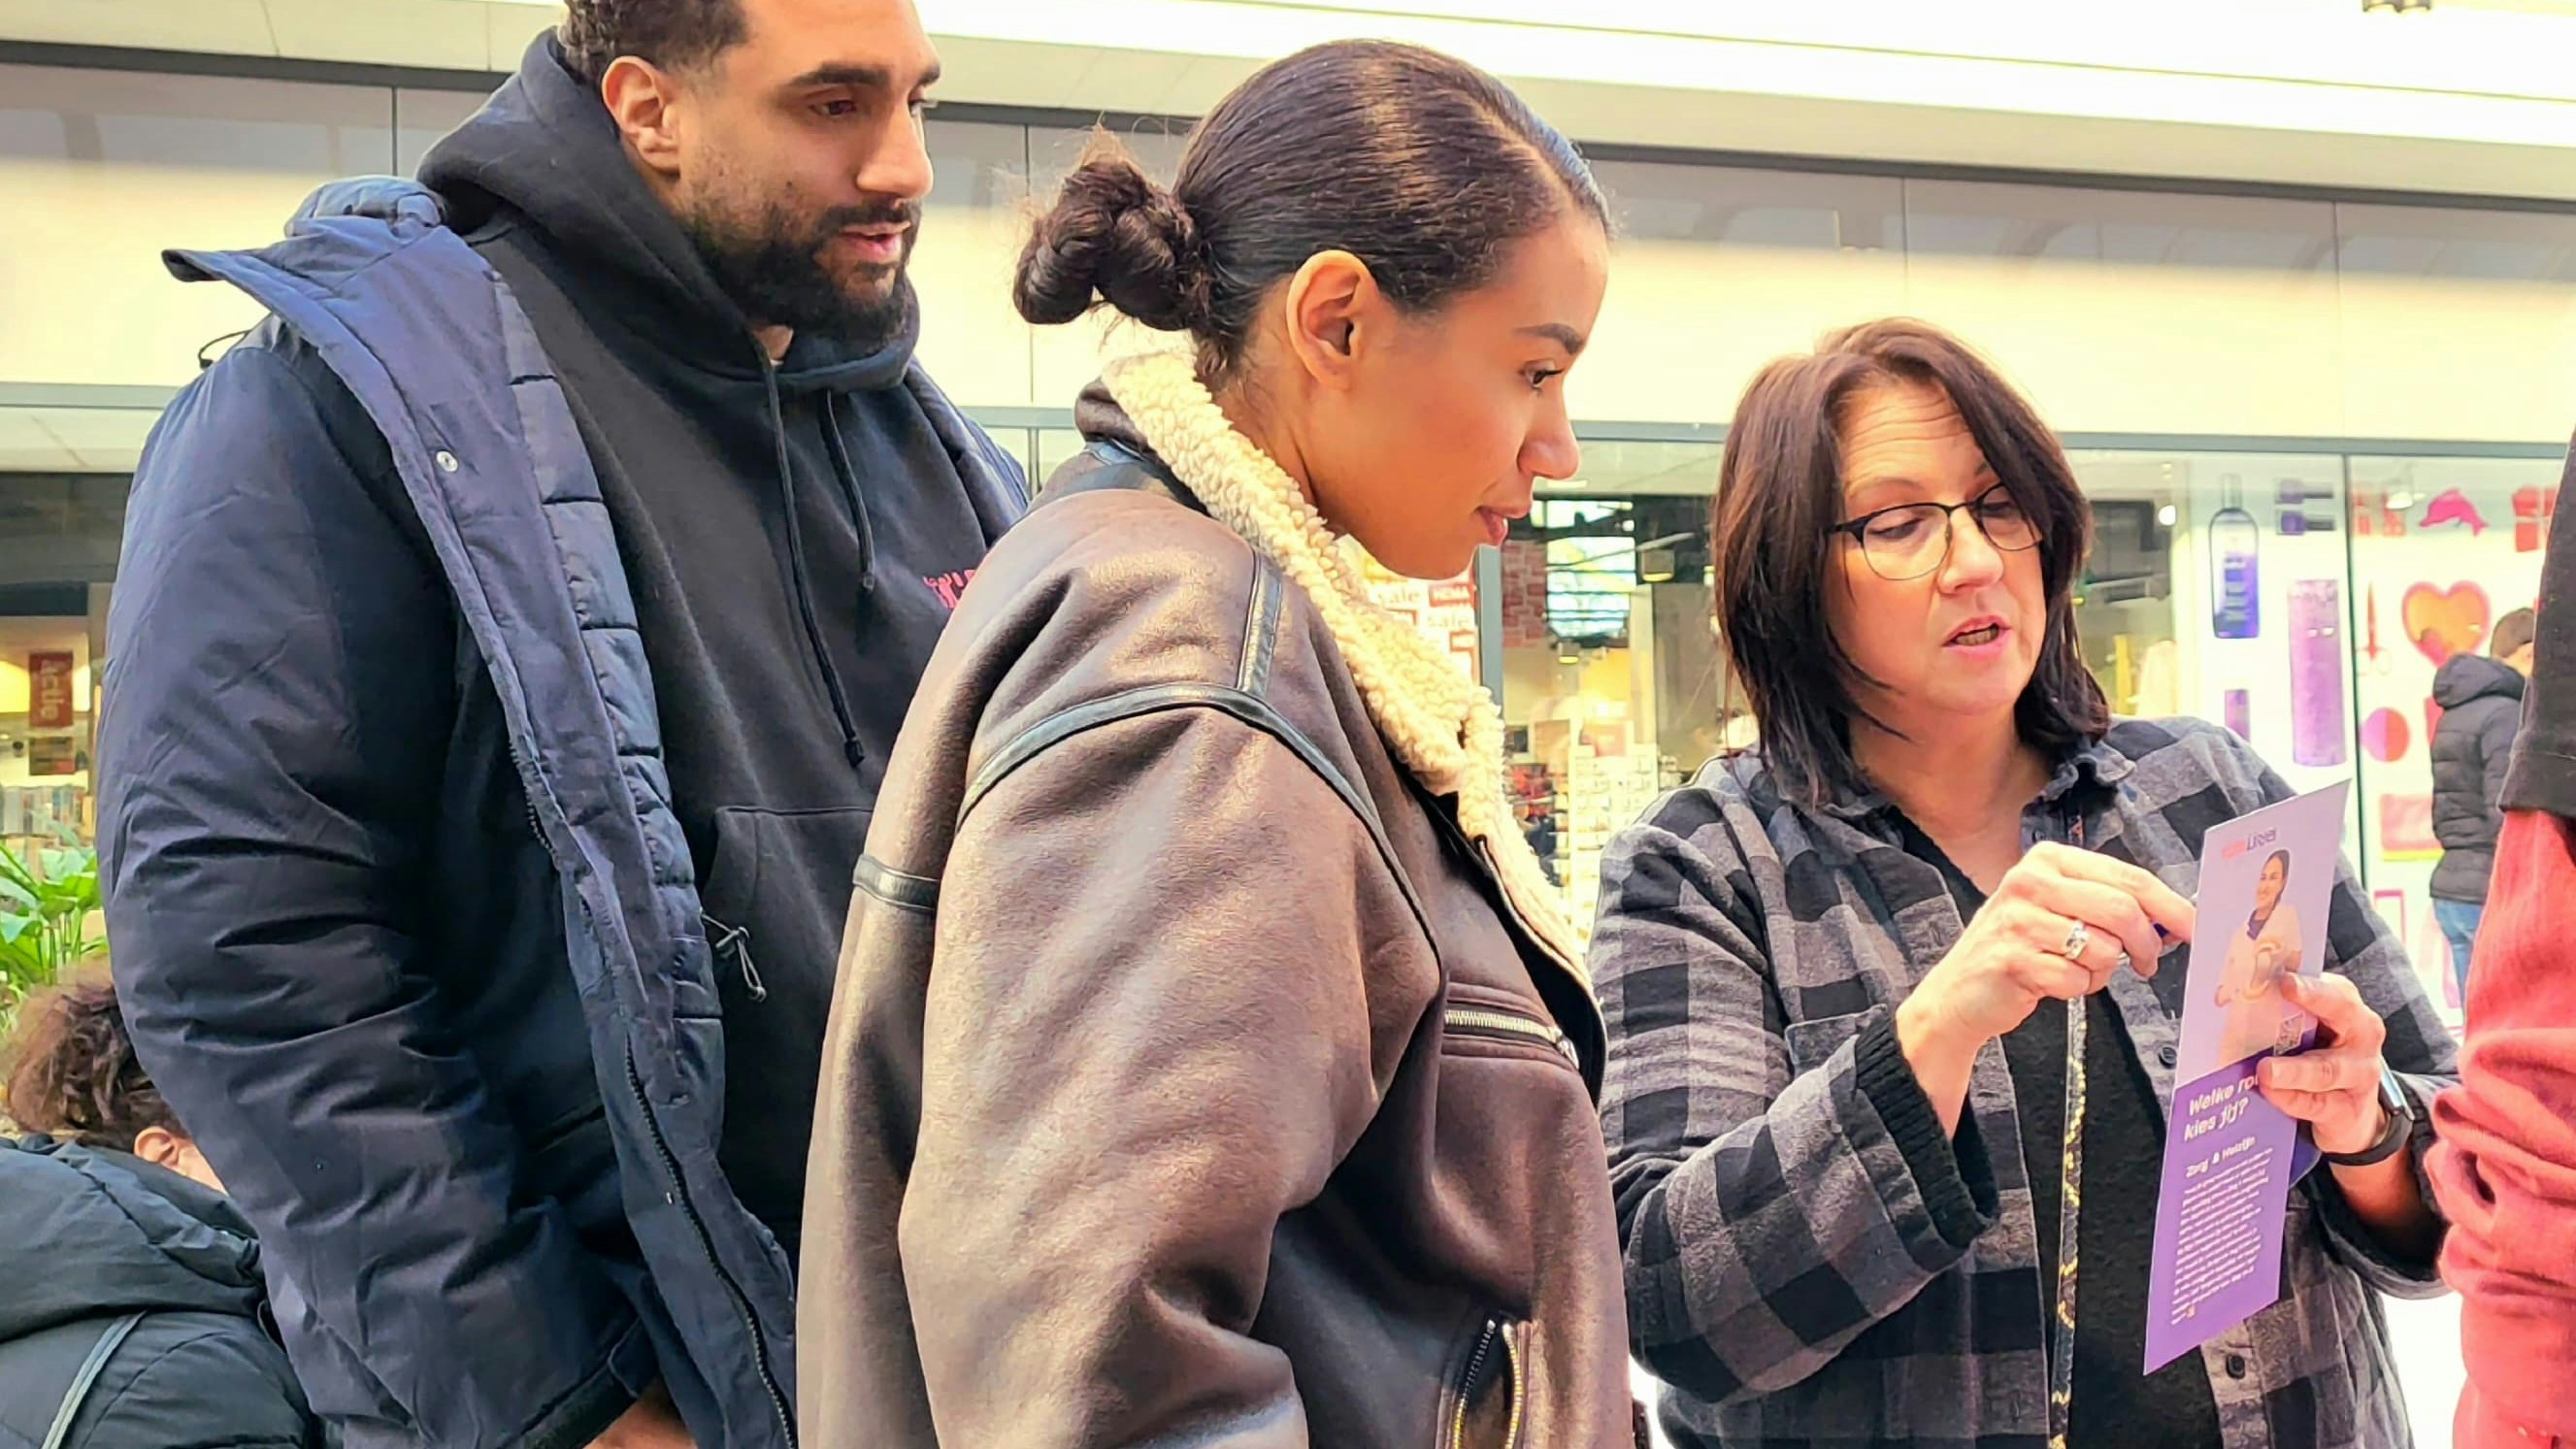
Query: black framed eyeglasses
1913, 539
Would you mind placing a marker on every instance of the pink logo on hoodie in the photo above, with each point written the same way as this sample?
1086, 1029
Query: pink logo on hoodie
951, 586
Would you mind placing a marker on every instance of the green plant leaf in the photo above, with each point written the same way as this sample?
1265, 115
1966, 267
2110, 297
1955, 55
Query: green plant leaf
20, 968
15, 870
44, 919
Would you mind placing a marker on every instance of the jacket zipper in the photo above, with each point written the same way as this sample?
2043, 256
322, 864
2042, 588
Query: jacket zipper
1479, 1021
1483, 856
707, 1246
1467, 1382
670, 1160
1497, 1335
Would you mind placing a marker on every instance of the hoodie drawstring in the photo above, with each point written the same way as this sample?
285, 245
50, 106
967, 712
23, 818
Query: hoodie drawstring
835, 443
796, 567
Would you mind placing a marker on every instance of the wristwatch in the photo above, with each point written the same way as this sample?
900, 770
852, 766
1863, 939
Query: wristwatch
2393, 1137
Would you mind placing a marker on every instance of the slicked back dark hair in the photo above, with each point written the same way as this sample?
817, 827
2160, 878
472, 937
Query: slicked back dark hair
1421, 165
672, 34
1780, 492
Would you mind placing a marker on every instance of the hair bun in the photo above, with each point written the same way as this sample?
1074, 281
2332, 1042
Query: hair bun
1114, 235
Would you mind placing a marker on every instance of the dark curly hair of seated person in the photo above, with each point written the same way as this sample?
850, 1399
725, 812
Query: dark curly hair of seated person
72, 1072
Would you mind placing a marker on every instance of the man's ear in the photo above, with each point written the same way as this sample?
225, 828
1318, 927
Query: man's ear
645, 101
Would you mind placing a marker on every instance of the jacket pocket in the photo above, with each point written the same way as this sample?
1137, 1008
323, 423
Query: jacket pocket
1490, 1020
1488, 1389
1812, 1042
775, 901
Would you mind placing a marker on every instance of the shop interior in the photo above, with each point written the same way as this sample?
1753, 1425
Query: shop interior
58, 537
2302, 598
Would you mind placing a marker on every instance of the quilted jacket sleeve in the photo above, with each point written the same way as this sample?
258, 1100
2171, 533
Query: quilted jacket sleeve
280, 688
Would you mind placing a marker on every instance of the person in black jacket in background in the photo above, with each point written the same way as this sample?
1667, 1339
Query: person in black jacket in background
131, 1307
2481, 700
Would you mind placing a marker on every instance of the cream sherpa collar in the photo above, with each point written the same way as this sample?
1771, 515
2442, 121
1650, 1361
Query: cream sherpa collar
1438, 723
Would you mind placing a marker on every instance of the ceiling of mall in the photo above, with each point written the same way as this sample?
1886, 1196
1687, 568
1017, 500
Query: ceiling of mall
2471, 101
431, 34
2474, 99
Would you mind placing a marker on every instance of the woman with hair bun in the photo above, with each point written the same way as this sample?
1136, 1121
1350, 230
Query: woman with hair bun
1210, 1064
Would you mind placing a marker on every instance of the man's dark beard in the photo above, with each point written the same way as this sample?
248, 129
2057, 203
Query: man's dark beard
773, 270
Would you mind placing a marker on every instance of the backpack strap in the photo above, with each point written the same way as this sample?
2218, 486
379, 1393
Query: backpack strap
87, 1379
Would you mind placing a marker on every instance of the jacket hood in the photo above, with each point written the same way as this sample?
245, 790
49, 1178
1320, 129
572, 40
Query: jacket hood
1099, 418
544, 149
2464, 677
93, 1231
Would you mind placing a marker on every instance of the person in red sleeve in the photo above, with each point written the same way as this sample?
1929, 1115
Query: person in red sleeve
2505, 1169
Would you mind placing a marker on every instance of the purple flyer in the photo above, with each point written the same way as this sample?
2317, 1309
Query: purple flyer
2231, 1158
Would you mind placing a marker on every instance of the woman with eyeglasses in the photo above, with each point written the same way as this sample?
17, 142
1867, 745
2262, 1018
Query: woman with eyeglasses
1890, 1039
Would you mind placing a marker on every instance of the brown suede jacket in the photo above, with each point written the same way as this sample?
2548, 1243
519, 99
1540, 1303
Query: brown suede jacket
1188, 1080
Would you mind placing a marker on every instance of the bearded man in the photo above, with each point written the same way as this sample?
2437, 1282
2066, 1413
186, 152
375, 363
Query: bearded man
510, 641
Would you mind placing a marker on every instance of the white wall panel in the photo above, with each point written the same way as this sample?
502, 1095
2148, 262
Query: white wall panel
102, 170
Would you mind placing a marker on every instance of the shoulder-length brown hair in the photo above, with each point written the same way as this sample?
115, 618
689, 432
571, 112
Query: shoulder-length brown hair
1780, 491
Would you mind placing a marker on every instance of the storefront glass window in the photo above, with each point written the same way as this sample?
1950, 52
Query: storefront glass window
1612, 687
58, 542
2302, 599
2219, 587
2441, 549
1054, 448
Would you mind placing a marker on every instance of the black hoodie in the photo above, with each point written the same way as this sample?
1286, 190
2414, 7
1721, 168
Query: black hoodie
2481, 704
795, 536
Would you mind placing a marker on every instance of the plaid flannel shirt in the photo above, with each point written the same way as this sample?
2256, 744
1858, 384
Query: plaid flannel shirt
1810, 1263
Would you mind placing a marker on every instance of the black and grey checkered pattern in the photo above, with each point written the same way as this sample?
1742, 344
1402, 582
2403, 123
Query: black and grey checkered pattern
1797, 1275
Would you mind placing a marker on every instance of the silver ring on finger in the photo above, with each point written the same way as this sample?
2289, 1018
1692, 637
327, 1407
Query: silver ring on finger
2078, 936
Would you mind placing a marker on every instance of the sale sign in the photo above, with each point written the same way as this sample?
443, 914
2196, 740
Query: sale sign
50, 705
1442, 611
